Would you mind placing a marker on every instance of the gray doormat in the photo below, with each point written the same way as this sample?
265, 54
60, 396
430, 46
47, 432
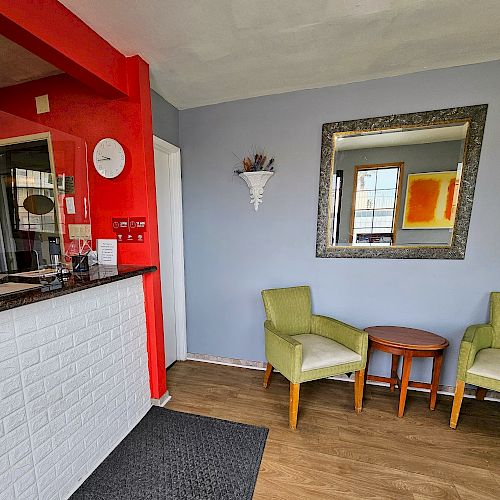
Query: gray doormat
173, 455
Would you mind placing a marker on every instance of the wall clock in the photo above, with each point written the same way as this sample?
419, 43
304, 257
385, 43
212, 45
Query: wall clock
109, 158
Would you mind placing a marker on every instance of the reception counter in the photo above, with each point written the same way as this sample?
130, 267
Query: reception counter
73, 378
51, 286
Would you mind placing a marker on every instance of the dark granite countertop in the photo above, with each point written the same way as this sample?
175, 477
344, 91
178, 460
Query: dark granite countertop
54, 287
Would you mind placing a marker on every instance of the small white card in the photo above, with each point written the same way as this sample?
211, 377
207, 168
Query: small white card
70, 205
107, 252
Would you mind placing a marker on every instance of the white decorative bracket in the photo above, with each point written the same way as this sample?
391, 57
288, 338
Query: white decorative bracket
256, 182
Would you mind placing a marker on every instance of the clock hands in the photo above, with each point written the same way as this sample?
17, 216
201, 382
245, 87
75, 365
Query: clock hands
103, 158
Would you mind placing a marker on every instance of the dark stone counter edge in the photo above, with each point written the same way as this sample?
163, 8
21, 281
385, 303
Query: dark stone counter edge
76, 283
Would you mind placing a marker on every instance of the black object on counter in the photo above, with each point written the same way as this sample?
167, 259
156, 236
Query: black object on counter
80, 263
54, 250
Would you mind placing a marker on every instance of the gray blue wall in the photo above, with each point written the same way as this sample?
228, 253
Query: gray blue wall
232, 252
165, 119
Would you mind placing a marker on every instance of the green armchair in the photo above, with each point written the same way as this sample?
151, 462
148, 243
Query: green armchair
304, 346
479, 359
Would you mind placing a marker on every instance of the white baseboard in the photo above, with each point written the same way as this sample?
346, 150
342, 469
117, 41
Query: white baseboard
260, 365
161, 401
221, 360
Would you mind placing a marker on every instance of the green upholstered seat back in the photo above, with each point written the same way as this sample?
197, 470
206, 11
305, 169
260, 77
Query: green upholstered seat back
495, 317
289, 309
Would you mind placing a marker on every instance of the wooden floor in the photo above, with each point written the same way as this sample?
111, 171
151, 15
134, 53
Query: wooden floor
338, 454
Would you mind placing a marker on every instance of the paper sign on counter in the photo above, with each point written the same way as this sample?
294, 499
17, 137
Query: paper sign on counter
107, 252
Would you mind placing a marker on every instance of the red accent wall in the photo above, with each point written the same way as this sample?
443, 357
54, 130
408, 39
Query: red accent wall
77, 109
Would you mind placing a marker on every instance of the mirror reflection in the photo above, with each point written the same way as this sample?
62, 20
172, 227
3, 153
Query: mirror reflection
396, 187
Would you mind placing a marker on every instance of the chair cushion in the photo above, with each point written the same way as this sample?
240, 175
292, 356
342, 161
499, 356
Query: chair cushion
321, 352
486, 364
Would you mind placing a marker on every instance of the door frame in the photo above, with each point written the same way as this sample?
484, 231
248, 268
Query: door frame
175, 188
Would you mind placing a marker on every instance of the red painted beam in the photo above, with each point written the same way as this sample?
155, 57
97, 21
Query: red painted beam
51, 31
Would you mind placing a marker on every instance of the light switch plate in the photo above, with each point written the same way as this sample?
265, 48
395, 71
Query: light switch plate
79, 231
42, 104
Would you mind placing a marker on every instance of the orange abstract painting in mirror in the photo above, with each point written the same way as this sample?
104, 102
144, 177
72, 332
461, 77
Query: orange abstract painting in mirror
430, 200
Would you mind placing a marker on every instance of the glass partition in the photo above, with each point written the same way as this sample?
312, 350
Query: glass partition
44, 198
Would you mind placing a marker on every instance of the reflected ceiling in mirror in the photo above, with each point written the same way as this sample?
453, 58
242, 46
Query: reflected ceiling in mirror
399, 186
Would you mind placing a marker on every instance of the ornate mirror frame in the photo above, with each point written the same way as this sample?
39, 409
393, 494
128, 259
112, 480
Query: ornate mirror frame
474, 115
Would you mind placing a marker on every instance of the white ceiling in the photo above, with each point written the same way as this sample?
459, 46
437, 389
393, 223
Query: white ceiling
18, 65
388, 138
209, 51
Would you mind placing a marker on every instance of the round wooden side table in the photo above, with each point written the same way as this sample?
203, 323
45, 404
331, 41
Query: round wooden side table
409, 343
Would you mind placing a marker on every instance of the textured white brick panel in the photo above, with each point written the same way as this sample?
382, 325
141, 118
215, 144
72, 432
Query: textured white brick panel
36, 338
73, 383
85, 334
14, 438
37, 372
19, 452
70, 327
74, 354
30, 358
8, 349
54, 348
38, 421
25, 324
8, 493
31, 493
4, 463
10, 386
33, 392
10, 404
58, 315
8, 368
10, 422
6, 326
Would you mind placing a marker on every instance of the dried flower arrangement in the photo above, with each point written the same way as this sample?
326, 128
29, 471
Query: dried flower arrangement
256, 161
255, 169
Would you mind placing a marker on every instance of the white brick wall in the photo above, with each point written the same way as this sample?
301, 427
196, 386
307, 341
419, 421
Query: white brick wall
73, 382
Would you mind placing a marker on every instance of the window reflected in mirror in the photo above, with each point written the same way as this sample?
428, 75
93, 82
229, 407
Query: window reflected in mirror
396, 187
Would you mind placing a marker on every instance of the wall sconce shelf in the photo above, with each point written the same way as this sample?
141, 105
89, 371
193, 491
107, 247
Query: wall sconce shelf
256, 182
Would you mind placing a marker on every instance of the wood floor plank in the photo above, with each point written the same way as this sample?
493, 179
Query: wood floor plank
372, 479
336, 453
471, 493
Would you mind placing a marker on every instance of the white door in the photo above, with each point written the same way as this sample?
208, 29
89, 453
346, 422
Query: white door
169, 207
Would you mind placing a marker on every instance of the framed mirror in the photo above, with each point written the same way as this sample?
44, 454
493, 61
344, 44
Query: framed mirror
399, 186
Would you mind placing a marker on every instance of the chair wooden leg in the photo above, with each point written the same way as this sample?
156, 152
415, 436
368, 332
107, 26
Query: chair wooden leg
457, 403
359, 385
481, 393
267, 375
294, 405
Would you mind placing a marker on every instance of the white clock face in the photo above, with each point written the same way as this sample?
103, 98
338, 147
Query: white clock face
109, 158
